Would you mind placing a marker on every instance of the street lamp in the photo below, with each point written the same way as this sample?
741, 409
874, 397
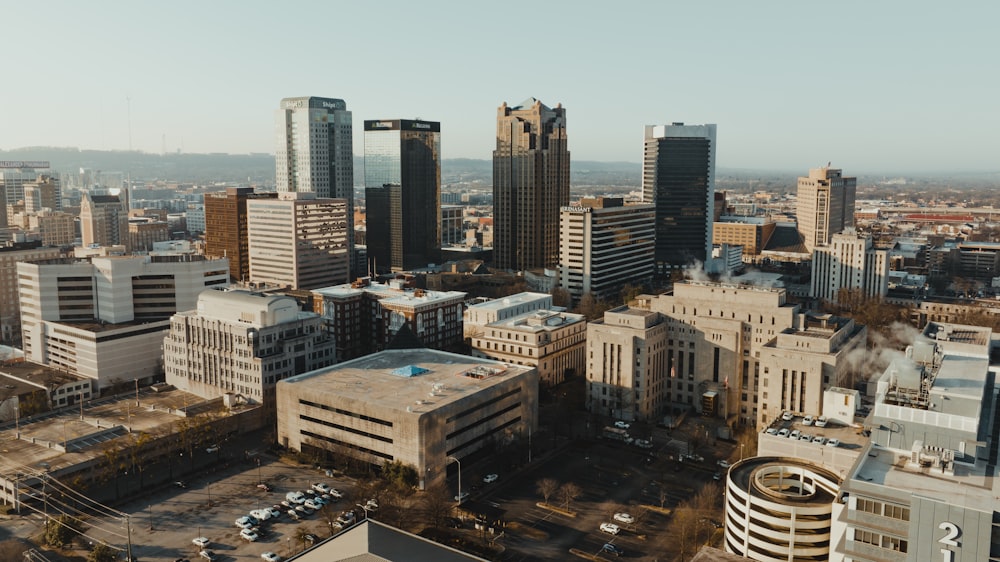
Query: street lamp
459, 477
364, 508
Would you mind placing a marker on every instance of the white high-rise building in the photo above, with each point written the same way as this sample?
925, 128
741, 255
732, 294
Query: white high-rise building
298, 241
604, 245
849, 262
314, 151
243, 343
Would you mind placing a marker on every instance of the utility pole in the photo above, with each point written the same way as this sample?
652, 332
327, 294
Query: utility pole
128, 534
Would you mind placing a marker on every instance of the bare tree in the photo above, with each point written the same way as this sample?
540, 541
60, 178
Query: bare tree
546, 487
569, 492
436, 503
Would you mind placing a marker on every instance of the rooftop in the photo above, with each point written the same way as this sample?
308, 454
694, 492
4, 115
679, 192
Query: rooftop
512, 300
448, 377
539, 321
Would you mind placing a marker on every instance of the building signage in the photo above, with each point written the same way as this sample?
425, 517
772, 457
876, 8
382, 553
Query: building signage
24, 164
950, 539
576, 209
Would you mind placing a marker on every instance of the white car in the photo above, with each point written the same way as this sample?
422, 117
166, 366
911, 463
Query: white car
201, 542
622, 425
821, 421
261, 514
295, 497
808, 420
833, 443
610, 528
819, 439
311, 504
321, 487
644, 443
294, 514
490, 478
787, 416
805, 437
462, 497
624, 518
275, 511
723, 463
371, 505
783, 432
270, 557
794, 434
244, 522
771, 431
336, 493
249, 534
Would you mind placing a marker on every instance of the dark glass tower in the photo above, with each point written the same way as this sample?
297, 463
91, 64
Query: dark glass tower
403, 194
678, 177
530, 185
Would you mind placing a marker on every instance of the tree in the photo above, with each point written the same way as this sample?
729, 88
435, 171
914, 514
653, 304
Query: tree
60, 531
436, 503
136, 449
102, 553
546, 487
561, 297
402, 477
569, 492
300, 535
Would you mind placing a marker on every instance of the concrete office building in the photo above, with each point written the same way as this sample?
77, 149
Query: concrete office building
716, 334
14, 176
678, 178
926, 487
10, 308
824, 205
530, 184
55, 227
314, 151
417, 406
849, 263
226, 228
551, 342
105, 318
298, 241
403, 194
43, 193
365, 317
242, 343
143, 232
779, 509
627, 364
803, 361
605, 245
752, 233
103, 221
477, 316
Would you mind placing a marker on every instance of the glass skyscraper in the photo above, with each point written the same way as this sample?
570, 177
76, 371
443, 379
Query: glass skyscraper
403, 193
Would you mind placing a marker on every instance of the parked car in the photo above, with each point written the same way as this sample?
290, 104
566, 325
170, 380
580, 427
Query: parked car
821, 421
275, 510
833, 443
644, 443
244, 522
462, 497
723, 463
610, 528
212, 449
490, 478
181, 484
293, 514
249, 535
771, 431
624, 518
295, 497
783, 432
794, 434
805, 437
787, 416
310, 538
261, 514
819, 439
336, 493
371, 505
611, 548
321, 487
717, 476
209, 555
311, 504
264, 487
808, 420
270, 557
622, 425
201, 542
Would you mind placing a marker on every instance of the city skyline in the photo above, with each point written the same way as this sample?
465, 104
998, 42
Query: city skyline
792, 86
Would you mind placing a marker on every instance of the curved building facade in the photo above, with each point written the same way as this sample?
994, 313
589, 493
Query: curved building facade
779, 509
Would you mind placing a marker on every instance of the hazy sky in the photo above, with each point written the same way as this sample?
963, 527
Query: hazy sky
869, 85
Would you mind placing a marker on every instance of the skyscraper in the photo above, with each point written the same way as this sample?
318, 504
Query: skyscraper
314, 151
226, 228
403, 193
824, 205
103, 221
530, 184
678, 177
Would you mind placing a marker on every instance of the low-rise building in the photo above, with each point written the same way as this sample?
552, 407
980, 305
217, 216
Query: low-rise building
477, 316
551, 342
421, 407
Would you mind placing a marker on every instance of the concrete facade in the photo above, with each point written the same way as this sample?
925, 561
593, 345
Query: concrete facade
10, 307
243, 343
551, 342
824, 205
420, 407
849, 262
477, 316
627, 364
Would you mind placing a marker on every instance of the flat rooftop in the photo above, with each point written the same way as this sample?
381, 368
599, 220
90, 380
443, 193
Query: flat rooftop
424, 379
28, 372
539, 321
970, 487
512, 300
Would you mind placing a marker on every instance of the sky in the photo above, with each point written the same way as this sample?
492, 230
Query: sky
888, 86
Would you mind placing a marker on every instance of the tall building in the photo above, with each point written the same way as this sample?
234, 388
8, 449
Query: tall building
103, 220
314, 151
824, 205
226, 228
10, 309
530, 184
850, 263
678, 178
403, 193
14, 176
604, 246
43, 193
297, 241
243, 343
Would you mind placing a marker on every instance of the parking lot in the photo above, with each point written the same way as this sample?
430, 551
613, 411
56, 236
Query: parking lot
164, 524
